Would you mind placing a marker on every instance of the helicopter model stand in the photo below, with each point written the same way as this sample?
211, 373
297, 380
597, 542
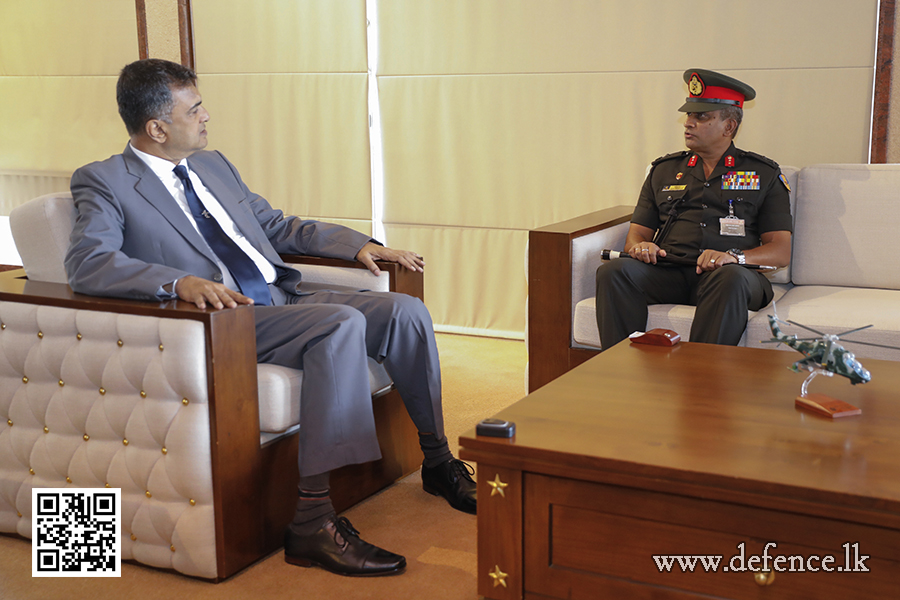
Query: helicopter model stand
822, 404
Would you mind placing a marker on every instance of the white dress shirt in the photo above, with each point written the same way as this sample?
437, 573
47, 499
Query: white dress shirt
165, 170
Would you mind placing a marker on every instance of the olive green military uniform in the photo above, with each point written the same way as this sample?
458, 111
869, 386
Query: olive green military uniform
746, 185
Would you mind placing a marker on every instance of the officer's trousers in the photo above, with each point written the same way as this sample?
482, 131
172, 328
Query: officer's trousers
625, 288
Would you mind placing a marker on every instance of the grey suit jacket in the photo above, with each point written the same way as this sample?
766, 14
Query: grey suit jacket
131, 237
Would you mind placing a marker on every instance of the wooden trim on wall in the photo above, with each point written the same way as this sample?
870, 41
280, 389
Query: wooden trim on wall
186, 33
140, 10
884, 60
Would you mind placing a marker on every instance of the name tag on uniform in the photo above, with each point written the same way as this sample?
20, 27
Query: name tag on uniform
740, 180
674, 188
731, 226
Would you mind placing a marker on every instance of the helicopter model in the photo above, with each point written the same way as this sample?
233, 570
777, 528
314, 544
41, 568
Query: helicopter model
824, 355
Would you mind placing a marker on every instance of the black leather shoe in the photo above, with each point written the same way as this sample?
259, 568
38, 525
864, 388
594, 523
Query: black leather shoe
452, 480
336, 547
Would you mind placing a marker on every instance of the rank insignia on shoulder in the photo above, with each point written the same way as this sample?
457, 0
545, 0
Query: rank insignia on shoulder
740, 180
674, 188
693, 161
729, 161
784, 180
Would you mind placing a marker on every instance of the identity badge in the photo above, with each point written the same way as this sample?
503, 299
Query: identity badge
731, 225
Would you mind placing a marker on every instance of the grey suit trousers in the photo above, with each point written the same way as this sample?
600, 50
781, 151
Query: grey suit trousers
328, 335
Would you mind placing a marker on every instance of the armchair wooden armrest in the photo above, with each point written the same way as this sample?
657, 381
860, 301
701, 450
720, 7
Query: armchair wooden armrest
402, 280
550, 351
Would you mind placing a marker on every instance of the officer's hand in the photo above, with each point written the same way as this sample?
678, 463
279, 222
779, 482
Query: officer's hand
710, 260
199, 291
646, 252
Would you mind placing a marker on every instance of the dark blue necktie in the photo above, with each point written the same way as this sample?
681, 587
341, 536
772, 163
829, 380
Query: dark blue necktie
242, 268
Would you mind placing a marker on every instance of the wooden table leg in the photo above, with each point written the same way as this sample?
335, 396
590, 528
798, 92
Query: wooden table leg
500, 497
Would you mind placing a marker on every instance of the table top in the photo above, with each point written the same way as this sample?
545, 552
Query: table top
713, 415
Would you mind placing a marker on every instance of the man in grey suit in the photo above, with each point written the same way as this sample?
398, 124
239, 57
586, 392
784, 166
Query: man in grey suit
166, 220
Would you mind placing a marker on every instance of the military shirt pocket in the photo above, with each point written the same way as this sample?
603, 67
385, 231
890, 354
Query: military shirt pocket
666, 200
746, 204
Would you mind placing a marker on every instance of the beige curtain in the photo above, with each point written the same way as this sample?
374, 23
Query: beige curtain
59, 60
286, 84
504, 115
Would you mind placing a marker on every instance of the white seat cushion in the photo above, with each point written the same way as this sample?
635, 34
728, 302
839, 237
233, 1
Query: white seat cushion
832, 309
279, 394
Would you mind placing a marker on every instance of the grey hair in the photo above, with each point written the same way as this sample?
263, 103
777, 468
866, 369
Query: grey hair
733, 112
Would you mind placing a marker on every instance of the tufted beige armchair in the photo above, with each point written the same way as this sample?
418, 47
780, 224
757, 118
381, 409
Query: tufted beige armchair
166, 402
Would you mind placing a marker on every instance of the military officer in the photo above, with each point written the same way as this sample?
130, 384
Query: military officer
713, 205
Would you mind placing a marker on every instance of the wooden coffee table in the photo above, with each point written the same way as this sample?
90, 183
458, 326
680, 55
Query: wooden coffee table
690, 450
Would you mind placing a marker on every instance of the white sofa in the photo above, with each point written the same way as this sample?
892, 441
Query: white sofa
166, 402
842, 273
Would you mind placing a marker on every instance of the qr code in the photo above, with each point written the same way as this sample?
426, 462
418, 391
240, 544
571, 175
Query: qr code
75, 532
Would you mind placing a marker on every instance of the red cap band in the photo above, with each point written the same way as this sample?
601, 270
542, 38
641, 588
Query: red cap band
722, 93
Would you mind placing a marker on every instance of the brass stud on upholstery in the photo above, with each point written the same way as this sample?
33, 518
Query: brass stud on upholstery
172, 547
18, 513
86, 437
24, 379
165, 450
193, 502
68, 480
2, 325
78, 337
40, 335
31, 471
107, 485
133, 538
62, 383
120, 343
160, 347
143, 394
149, 495
125, 442
185, 401
102, 391
9, 422
46, 429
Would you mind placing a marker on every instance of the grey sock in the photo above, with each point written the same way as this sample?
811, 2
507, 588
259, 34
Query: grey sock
436, 450
313, 504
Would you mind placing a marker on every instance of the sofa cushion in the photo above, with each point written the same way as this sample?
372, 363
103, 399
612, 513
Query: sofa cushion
834, 310
842, 211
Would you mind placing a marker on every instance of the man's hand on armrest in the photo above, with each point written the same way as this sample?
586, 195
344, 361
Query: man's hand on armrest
199, 291
372, 252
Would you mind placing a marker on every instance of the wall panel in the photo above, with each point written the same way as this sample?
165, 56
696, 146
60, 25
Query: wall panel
286, 85
474, 278
66, 37
57, 81
300, 140
567, 36
280, 36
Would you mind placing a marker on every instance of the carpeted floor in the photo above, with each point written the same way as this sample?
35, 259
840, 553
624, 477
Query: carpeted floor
480, 377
